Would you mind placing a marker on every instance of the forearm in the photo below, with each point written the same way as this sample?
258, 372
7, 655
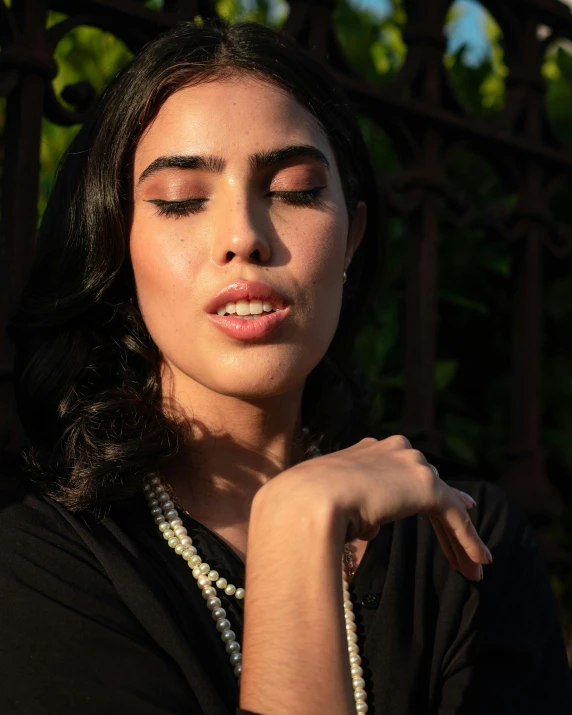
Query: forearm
295, 657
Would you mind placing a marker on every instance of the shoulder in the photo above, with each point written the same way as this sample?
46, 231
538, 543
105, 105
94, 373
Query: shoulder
40, 550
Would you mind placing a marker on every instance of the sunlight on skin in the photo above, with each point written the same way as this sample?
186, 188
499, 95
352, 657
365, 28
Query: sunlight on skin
245, 394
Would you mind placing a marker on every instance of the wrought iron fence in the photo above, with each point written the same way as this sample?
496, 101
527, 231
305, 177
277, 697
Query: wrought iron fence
420, 113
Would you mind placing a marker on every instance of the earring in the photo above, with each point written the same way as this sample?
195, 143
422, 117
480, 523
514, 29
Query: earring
345, 278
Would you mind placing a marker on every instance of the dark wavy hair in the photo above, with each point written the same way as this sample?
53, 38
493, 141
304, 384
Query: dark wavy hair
87, 371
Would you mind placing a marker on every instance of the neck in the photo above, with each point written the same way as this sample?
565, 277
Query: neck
235, 447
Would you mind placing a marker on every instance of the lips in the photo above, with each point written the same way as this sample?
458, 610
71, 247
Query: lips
246, 290
255, 327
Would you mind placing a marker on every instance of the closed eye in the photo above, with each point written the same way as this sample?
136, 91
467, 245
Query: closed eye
306, 197
178, 208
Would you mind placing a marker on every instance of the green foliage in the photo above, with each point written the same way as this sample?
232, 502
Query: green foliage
84, 54
480, 90
375, 47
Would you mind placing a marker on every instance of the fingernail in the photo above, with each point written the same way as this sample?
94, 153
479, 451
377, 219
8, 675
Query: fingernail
481, 572
469, 498
490, 556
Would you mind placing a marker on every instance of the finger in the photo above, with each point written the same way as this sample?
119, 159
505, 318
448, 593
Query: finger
445, 542
466, 566
457, 520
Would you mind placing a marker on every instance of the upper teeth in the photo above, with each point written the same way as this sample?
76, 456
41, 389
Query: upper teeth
246, 307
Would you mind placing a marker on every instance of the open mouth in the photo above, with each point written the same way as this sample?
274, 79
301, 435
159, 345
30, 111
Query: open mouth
247, 309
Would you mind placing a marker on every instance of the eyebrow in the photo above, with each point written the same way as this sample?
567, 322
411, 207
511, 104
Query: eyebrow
216, 164
213, 164
302, 151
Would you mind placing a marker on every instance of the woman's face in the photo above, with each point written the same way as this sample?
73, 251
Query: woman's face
235, 183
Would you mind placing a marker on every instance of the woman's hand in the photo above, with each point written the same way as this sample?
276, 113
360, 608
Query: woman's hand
299, 521
378, 481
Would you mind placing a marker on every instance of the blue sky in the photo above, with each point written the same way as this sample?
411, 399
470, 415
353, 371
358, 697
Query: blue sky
467, 30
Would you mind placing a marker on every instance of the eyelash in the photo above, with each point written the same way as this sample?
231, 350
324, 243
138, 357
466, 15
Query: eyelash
178, 209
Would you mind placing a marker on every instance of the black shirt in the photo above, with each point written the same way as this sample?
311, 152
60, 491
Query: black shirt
103, 617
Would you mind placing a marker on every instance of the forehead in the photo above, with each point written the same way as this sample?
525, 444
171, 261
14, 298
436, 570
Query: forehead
229, 117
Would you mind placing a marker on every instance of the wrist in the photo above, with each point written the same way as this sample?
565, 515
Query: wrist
295, 543
296, 501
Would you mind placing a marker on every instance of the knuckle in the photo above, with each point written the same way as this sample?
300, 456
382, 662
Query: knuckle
466, 519
428, 477
398, 441
418, 457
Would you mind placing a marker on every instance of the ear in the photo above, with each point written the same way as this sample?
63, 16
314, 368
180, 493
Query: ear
355, 233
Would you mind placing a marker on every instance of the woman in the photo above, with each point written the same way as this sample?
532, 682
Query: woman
180, 352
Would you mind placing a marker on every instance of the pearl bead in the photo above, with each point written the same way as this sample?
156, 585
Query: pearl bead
160, 519
232, 647
361, 707
167, 533
213, 603
238, 671
348, 606
209, 592
204, 568
230, 589
217, 613
221, 583
179, 548
227, 636
203, 581
176, 522
235, 658
358, 683
223, 624
188, 552
213, 575
155, 481
356, 671
353, 648
196, 572
147, 488
355, 659
152, 501
351, 626
174, 541
195, 561
163, 526
159, 489
349, 615
186, 540
360, 694
351, 637
168, 505
179, 530
170, 513
239, 593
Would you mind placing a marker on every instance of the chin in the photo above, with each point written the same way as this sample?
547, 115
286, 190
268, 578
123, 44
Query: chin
258, 384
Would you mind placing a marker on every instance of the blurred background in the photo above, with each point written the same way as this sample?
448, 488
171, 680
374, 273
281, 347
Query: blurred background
467, 110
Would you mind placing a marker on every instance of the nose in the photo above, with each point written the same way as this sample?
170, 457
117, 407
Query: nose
240, 236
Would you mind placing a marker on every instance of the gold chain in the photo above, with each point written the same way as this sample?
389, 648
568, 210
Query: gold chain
349, 562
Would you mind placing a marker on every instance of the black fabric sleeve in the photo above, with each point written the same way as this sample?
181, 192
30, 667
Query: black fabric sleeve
68, 645
508, 657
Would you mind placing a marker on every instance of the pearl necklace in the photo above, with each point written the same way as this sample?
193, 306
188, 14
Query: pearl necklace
171, 527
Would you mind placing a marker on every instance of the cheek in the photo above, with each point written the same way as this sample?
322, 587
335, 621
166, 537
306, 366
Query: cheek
164, 269
319, 253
